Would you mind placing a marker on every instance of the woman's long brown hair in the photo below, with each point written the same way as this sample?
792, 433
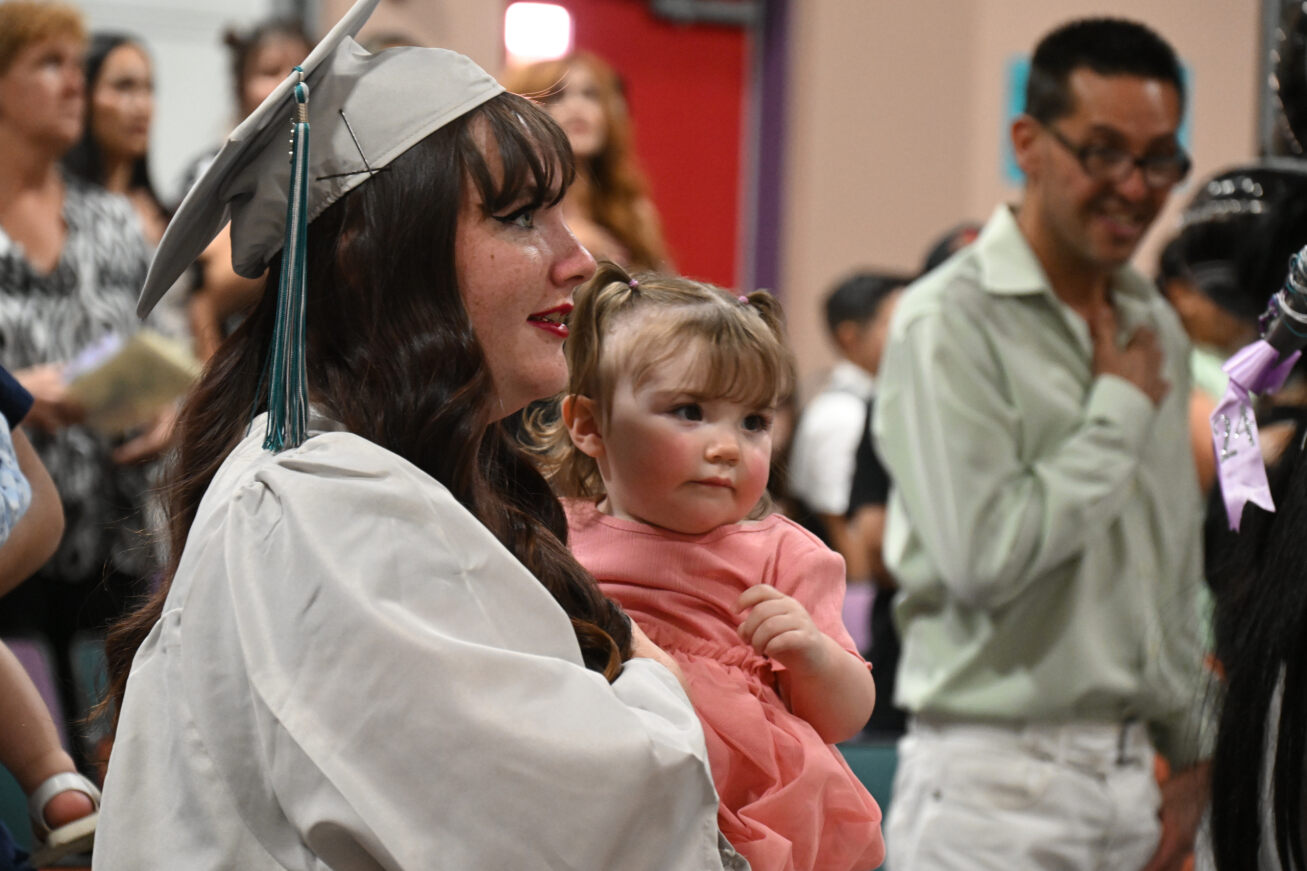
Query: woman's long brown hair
391, 356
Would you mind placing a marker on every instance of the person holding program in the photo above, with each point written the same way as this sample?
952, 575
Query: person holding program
662, 441
372, 649
113, 153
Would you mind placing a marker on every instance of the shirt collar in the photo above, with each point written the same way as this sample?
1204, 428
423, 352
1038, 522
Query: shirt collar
849, 376
1009, 267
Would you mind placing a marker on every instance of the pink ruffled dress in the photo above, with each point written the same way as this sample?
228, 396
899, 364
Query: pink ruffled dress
788, 800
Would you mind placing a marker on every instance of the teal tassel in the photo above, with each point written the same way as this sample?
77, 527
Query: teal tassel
287, 379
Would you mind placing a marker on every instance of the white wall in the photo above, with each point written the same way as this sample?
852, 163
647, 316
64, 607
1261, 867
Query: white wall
194, 109
471, 27
897, 119
882, 117
193, 104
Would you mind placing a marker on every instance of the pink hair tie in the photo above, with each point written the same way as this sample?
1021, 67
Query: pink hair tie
744, 300
633, 284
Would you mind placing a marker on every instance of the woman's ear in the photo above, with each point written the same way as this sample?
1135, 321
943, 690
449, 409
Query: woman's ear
582, 422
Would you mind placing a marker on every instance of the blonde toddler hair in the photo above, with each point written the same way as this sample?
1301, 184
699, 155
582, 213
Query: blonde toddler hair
624, 325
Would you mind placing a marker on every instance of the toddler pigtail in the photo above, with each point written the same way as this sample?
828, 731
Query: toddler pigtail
769, 309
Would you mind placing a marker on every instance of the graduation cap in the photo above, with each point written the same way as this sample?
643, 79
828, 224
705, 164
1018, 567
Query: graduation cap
364, 110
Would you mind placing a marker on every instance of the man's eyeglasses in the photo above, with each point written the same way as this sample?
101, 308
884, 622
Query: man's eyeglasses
1102, 163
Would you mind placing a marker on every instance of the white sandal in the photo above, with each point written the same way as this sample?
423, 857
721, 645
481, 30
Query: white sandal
72, 837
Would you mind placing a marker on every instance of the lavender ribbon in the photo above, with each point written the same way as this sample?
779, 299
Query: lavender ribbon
1256, 368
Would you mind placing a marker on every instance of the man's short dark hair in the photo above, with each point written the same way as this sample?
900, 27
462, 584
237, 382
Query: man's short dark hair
858, 297
1106, 46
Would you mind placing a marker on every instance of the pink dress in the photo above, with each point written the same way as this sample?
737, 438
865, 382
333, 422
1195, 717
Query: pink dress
788, 800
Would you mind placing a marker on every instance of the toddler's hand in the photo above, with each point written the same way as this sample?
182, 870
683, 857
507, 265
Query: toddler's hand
781, 628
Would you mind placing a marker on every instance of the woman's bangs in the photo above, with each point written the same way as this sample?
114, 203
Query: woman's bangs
533, 153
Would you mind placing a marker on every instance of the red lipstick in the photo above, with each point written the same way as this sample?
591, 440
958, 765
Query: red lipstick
552, 320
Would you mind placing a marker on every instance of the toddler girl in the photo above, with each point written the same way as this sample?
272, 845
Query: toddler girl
662, 446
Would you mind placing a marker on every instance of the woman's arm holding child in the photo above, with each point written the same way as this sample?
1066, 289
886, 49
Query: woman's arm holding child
823, 683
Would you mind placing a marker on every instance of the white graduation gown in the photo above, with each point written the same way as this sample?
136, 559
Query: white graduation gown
351, 672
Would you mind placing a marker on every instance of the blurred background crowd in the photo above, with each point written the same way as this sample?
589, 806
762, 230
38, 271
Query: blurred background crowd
832, 151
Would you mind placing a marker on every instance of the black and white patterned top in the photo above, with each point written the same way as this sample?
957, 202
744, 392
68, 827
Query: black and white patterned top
48, 318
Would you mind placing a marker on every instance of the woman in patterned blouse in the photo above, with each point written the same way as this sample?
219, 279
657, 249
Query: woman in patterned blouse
72, 259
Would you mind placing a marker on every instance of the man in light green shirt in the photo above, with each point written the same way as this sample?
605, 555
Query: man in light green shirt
1045, 520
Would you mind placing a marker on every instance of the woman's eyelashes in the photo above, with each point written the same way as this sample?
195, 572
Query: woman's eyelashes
524, 218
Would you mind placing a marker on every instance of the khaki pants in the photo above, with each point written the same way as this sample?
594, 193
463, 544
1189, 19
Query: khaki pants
981, 797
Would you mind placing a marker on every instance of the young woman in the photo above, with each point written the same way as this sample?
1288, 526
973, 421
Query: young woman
373, 649
113, 153
114, 149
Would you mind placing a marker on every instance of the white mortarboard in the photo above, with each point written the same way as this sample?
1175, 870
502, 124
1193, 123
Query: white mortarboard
364, 111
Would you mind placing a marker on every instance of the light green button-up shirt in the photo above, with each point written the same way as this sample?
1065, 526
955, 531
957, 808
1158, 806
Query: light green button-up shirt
1045, 524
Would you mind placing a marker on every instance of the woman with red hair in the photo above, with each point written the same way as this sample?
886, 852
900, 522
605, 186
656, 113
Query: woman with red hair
608, 208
